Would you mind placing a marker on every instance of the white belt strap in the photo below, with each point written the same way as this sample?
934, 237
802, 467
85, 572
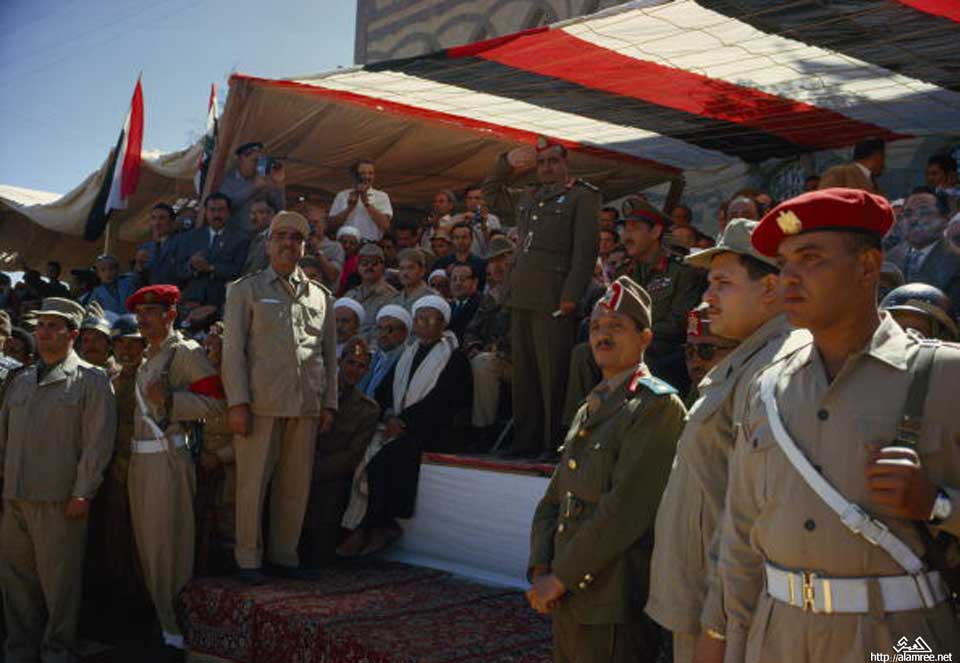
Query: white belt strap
855, 518
807, 590
156, 446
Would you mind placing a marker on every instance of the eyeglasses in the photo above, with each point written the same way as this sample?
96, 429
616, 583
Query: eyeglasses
705, 351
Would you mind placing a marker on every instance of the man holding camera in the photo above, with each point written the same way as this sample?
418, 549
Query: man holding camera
255, 177
362, 207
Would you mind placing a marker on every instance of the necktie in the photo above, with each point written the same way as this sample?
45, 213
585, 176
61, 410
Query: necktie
914, 262
213, 238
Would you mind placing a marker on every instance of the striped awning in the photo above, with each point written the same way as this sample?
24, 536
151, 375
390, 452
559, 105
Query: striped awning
697, 84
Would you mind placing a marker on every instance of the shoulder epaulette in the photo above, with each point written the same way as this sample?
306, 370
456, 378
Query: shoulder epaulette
656, 385
585, 184
245, 277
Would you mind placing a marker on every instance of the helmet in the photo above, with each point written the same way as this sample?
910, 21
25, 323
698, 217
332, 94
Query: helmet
926, 300
126, 326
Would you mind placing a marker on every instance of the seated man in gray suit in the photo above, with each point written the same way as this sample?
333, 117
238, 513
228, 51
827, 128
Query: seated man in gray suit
211, 256
924, 256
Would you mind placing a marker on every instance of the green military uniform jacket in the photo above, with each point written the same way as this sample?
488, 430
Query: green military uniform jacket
594, 526
675, 289
557, 227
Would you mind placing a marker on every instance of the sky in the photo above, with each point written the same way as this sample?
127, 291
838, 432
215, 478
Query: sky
68, 69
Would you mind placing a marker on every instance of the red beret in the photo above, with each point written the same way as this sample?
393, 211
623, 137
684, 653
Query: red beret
168, 295
848, 210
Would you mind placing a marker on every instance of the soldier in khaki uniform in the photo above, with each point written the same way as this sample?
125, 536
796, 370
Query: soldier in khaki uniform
744, 305
552, 267
280, 375
176, 387
593, 530
374, 292
817, 440
57, 427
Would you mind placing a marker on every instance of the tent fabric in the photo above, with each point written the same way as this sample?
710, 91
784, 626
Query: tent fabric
656, 87
34, 232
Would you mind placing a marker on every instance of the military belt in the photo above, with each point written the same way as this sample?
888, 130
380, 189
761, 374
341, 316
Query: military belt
827, 595
156, 446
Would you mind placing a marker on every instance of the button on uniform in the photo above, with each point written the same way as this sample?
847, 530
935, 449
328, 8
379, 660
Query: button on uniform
572, 463
823, 415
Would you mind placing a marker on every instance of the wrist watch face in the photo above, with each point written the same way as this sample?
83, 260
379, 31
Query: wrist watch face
942, 507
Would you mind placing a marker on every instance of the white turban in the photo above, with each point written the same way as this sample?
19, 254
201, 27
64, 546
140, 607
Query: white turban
438, 272
434, 302
352, 304
397, 312
348, 230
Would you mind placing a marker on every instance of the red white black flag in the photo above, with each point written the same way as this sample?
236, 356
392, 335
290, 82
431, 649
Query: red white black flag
123, 171
209, 142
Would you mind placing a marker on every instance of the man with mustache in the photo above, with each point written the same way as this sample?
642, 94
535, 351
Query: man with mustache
744, 306
593, 530
280, 375
374, 292
846, 470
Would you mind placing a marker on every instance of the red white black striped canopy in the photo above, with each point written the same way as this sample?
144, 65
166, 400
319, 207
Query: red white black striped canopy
674, 85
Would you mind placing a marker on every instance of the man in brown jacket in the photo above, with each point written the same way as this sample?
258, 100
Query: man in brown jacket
57, 428
280, 375
868, 161
552, 267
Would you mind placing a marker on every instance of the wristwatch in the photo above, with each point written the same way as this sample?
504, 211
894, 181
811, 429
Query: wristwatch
942, 508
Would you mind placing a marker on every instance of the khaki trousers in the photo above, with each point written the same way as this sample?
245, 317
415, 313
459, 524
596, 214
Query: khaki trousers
162, 487
41, 573
278, 453
489, 370
540, 348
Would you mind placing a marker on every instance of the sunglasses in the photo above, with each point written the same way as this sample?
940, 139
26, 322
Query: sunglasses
705, 351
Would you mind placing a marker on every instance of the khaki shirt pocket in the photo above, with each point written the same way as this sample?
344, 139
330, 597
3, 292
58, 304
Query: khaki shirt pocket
765, 458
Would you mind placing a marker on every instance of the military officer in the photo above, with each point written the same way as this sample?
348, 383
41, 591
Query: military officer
175, 387
593, 530
280, 374
374, 292
57, 426
674, 288
744, 305
846, 468
551, 269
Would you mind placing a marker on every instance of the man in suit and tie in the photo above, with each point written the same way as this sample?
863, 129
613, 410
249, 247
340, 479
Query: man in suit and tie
466, 299
924, 256
211, 256
869, 157
161, 266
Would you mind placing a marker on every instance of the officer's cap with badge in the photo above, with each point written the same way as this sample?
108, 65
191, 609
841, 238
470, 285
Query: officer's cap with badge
625, 296
837, 210
638, 209
163, 295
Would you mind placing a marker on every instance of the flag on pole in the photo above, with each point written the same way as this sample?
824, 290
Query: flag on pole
209, 142
123, 169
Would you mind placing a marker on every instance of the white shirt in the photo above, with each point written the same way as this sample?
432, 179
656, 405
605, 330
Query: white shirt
359, 218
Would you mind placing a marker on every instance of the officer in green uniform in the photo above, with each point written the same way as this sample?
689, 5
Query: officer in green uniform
675, 288
552, 267
592, 535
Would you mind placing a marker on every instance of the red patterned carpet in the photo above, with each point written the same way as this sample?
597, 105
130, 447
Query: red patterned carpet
379, 612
